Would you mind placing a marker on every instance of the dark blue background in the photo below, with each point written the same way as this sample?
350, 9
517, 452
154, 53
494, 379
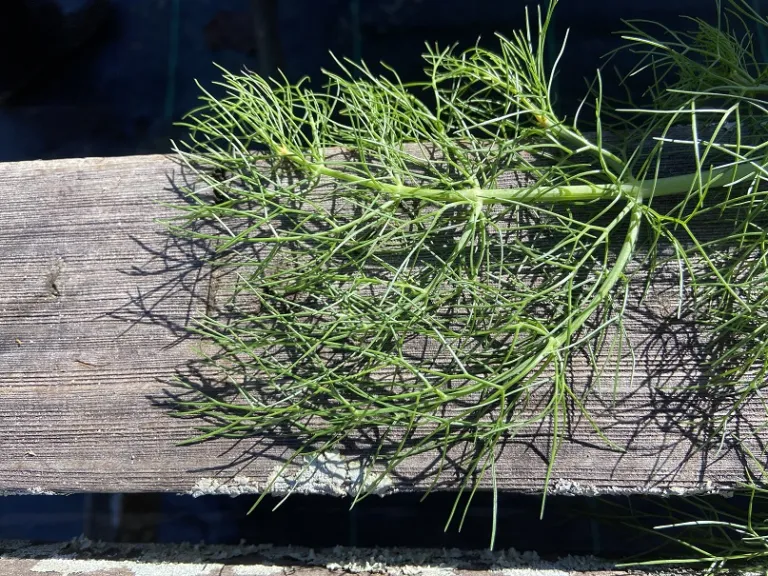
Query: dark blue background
123, 94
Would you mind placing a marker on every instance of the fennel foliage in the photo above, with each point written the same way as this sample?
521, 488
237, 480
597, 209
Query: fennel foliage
715, 534
417, 263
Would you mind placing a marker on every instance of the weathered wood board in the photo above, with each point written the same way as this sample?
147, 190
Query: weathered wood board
83, 556
94, 297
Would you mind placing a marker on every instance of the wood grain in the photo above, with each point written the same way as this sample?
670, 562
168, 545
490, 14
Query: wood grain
94, 299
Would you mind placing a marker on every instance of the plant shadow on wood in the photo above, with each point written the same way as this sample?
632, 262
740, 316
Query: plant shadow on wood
701, 426
226, 403
430, 352
657, 415
668, 413
184, 264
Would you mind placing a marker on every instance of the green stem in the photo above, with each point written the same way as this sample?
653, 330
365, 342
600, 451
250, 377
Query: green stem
556, 342
669, 186
617, 271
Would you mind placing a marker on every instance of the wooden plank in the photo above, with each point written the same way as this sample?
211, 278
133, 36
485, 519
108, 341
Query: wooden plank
83, 556
94, 297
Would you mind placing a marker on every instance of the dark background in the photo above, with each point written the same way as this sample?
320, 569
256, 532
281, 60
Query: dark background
109, 77
613, 527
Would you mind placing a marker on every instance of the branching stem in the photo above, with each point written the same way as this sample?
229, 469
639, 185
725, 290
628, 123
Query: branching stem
724, 176
404, 296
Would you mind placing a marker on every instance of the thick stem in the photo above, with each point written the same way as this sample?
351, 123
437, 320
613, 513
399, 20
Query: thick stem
669, 186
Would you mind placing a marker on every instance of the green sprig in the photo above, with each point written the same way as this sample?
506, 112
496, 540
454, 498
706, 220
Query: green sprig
395, 283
